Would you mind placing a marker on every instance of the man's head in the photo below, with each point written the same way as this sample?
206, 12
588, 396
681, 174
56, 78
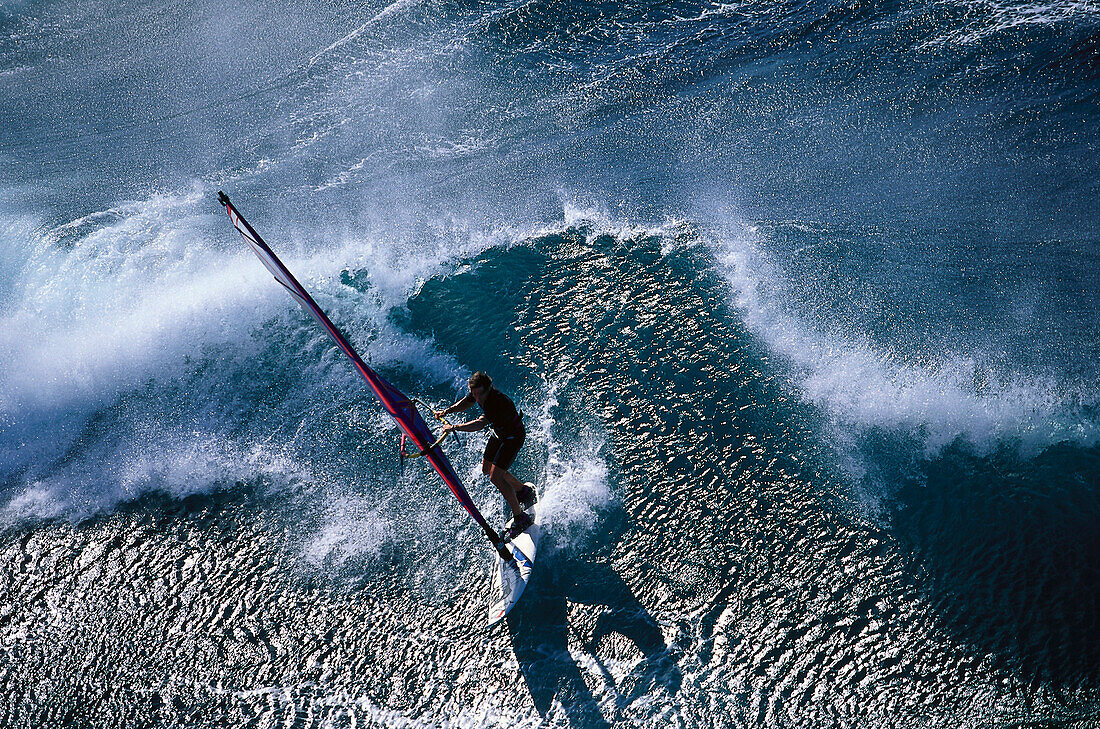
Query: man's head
480, 384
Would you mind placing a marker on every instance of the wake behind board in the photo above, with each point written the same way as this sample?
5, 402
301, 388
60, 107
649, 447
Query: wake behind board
510, 578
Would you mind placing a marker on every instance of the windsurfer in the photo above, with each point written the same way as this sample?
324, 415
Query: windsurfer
500, 412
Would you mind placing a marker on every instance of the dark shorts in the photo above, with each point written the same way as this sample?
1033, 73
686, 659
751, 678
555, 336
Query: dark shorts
502, 451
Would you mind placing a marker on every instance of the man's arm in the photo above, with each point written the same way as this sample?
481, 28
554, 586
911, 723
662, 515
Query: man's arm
468, 427
464, 404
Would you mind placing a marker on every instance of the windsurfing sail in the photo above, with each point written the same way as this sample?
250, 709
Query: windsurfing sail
393, 400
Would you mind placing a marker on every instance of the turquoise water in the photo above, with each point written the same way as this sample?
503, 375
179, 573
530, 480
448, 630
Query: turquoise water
800, 301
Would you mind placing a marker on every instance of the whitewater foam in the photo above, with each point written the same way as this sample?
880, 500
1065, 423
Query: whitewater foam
864, 386
991, 18
354, 526
575, 488
160, 460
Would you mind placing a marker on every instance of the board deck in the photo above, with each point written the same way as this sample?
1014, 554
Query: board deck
510, 578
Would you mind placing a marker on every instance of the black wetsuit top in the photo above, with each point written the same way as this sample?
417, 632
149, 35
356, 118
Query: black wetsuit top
502, 414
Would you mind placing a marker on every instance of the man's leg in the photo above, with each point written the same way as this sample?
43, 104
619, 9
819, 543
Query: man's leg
507, 484
499, 454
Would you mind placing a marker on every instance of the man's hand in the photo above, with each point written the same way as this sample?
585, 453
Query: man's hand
439, 414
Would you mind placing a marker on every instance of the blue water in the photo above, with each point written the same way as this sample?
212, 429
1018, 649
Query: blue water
800, 300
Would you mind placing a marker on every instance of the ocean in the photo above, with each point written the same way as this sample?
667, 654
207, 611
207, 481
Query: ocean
800, 299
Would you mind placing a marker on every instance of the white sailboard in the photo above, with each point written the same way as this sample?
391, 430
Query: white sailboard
510, 578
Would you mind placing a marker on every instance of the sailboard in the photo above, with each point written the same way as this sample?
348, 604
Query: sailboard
518, 554
510, 577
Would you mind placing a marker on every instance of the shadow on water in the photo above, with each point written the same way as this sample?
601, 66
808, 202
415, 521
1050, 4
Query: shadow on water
540, 630
1007, 549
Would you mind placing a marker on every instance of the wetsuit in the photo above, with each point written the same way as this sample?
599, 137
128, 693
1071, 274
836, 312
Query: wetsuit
508, 429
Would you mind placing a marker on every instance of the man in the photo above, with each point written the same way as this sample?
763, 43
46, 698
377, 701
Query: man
499, 411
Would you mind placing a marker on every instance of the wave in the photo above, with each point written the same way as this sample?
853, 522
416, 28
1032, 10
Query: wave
141, 332
118, 314
157, 459
864, 386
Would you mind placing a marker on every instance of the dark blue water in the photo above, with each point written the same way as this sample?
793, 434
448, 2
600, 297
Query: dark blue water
800, 300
